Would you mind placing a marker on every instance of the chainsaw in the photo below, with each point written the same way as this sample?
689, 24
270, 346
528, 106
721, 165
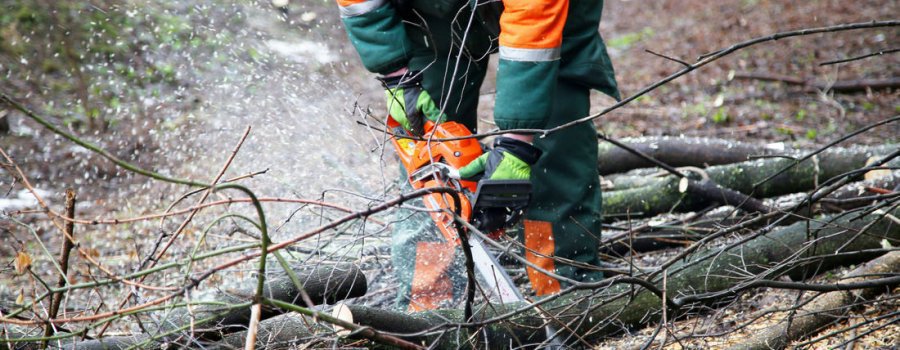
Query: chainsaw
489, 205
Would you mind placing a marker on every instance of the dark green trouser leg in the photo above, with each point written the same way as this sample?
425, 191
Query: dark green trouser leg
430, 271
458, 97
564, 217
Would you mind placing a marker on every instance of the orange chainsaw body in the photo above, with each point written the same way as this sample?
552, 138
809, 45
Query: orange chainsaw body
416, 154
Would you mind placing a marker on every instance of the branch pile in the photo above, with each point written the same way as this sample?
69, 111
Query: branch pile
746, 216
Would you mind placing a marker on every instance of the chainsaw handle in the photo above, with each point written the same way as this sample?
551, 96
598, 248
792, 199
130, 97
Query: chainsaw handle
499, 204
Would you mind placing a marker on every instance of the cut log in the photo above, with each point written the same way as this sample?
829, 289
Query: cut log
279, 332
324, 284
652, 176
321, 283
661, 195
285, 331
710, 192
854, 195
388, 321
589, 315
677, 151
823, 309
282, 332
850, 196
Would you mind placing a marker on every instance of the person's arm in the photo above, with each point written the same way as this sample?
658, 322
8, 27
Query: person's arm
530, 41
376, 31
530, 44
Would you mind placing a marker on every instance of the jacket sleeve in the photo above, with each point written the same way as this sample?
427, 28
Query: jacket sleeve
530, 42
376, 31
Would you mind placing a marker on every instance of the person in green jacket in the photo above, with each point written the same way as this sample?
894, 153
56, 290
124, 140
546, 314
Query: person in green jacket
431, 57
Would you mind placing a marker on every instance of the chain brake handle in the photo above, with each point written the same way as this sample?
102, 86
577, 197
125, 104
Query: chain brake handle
442, 170
499, 204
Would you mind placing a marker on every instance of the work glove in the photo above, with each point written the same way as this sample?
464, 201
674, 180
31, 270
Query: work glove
409, 104
510, 159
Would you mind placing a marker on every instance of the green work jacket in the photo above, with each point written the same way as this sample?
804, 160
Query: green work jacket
387, 35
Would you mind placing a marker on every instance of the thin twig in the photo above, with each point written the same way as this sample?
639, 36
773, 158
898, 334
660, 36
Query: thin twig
151, 259
683, 63
856, 58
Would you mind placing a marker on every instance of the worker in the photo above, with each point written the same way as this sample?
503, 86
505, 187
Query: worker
431, 57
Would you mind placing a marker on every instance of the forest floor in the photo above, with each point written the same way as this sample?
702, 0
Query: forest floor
297, 81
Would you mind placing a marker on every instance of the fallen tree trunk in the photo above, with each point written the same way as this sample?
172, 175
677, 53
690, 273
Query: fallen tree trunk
651, 176
283, 331
662, 194
717, 271
825, 308
322, 284
864, 192
703, 278
708, 191
848, 197
677, 151
325, 284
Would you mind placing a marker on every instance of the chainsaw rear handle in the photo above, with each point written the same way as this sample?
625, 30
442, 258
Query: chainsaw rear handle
499, 204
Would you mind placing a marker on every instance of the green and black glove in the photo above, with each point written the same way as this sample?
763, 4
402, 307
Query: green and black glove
409, 104
510, 159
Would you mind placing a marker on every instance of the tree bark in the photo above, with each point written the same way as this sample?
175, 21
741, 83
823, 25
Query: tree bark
660, 195
327, 284
825, 308
851, 196
65, 249
709, 276
280, 332
676, 151
322, 284
708, 191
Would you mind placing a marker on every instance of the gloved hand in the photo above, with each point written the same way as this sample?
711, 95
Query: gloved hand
510, 159
409, 104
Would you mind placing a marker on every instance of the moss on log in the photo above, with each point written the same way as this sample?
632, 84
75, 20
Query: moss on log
677, 151
593, 314
703, 278
850, 196
282, 332
324, 283
661, 195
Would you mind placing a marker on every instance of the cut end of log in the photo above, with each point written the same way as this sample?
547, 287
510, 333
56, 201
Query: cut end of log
875, 174
342, 312
683, 185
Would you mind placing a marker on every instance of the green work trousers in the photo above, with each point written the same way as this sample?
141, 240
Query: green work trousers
561, 230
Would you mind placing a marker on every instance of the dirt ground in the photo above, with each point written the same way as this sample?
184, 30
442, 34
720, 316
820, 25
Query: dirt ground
297, 81
711, 102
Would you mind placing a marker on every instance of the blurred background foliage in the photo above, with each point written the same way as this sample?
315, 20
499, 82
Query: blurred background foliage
100, 52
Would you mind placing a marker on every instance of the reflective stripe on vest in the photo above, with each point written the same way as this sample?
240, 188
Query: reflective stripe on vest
531, 55
353, 9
